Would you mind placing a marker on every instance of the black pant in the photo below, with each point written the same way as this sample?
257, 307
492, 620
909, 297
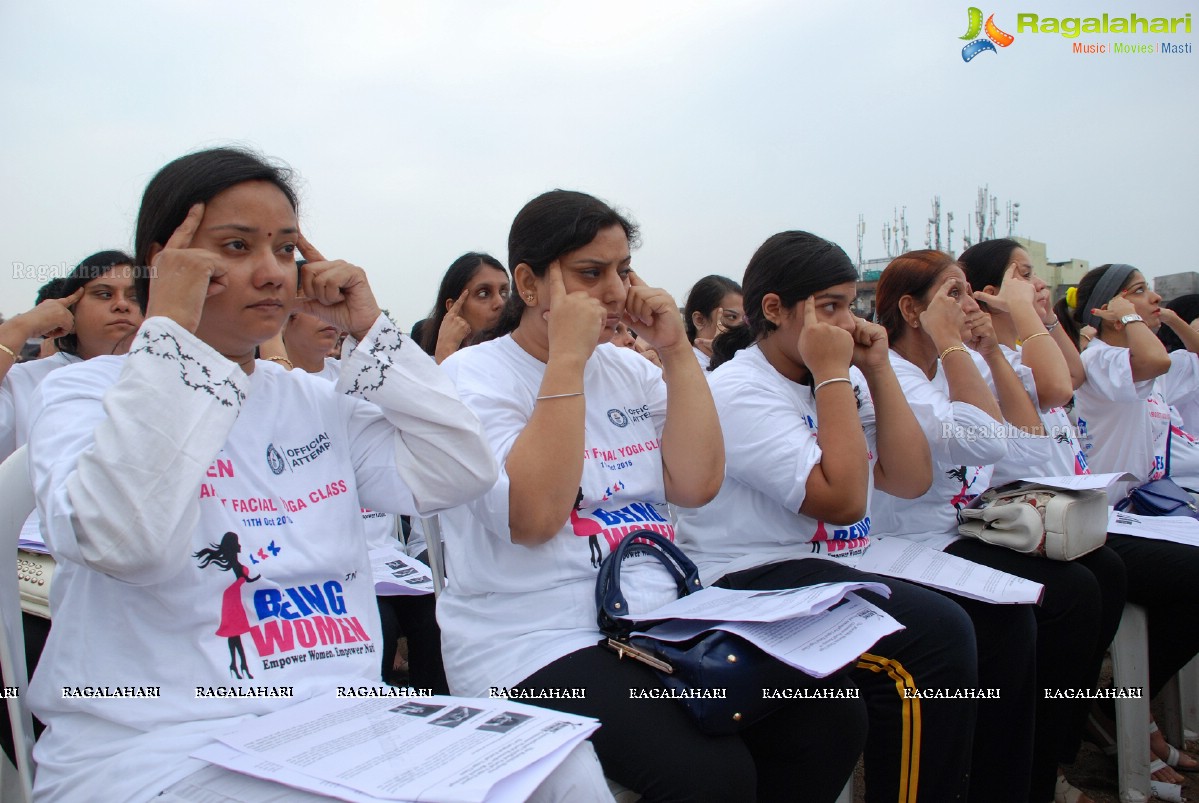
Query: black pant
37, 630
416, 618
804, 751
1162, 577
1070, 625
917, 749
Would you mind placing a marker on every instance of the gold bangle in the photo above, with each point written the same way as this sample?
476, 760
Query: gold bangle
1034, 334
282, 361
951, 349
560, 396
9, 352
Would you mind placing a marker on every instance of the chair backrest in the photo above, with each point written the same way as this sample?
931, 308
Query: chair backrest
16, 503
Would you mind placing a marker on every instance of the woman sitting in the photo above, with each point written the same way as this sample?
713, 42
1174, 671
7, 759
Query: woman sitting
203, 506
594, 441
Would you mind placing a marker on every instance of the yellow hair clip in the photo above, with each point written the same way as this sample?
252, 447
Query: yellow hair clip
1072, 298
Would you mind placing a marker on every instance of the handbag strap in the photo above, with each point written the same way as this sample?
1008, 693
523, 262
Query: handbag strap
1169, 438
610, 602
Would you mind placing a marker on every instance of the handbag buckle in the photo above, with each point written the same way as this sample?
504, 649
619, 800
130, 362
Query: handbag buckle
623, 648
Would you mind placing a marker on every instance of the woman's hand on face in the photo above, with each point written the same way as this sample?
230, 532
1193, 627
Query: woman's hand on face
944, 319
870, 346
1115, 309
1014, 290
652, 312
182, 277
826, 350
52, 318
575, 319
336, 292
979, 333
454, 329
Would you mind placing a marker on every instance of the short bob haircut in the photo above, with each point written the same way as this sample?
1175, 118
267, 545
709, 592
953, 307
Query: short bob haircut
456, 278
85, 273
196, 178
793, 265
552, 224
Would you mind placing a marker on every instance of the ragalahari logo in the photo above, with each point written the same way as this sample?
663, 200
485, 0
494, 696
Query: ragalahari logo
994, 35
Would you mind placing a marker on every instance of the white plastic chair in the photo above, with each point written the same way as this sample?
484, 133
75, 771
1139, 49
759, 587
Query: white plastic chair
16, 503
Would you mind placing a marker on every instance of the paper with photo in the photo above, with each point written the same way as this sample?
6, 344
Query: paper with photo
445, 749
1179, 529
714, 604
818, 645
906, 560
395, 573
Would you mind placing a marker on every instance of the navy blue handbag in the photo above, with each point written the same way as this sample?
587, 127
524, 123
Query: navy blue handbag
1162, 497
720, 678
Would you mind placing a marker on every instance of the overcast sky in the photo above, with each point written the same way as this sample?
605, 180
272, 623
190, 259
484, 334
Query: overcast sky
420, 129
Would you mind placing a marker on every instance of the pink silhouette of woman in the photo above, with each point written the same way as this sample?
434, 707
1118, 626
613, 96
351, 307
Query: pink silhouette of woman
233, 616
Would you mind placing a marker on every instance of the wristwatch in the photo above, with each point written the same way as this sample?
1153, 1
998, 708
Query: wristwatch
1131, 318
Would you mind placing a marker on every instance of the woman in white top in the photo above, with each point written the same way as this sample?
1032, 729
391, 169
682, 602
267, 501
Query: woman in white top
713, 304
96, 315
1123, 411
593, 442
930, 315
812, 417
469, 301
1046, 360
143, 465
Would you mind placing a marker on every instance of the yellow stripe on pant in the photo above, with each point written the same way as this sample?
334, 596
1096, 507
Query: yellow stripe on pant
909, 759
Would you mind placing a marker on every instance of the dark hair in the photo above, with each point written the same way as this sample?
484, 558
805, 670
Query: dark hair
457, 276
51, 289
1073, 320
196, 178
1187, 308
910, 274
552, 224
705, 297
223, 555
986, 263
793, 265
85, 272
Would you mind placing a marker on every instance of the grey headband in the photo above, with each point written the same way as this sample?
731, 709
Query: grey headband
1105, 289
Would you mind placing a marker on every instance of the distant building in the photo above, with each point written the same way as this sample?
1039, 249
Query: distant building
1175, 285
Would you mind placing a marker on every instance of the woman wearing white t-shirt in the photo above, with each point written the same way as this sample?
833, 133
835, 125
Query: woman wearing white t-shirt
713, 304
1124, 419
926, 306
142, 465
593, 442
812, 417
1046, 360
96, 315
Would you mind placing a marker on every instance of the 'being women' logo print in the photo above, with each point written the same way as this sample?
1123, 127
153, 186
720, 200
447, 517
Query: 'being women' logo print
994, 36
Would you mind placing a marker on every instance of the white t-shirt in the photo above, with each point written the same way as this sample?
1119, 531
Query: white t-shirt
16, 398
144, 465
965, 443
510, 610
704, 359
380, 527
1184, 453
1124, 424
769, 425
1066, 456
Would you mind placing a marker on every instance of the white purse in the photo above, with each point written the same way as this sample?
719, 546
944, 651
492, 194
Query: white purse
1035, 519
